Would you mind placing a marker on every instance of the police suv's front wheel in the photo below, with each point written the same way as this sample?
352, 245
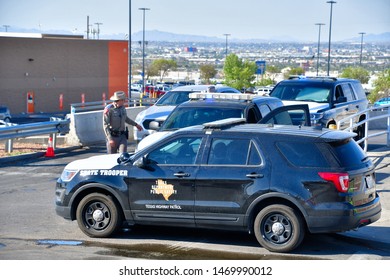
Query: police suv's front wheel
279, 228
98, 215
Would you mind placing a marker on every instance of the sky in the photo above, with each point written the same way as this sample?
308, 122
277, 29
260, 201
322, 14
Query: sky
243, 19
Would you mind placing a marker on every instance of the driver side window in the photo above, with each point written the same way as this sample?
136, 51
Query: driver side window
178, 151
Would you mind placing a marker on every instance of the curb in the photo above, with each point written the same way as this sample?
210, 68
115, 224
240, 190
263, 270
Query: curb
27, 156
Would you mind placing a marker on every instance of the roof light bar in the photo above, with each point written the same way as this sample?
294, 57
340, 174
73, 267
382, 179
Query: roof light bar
221, 96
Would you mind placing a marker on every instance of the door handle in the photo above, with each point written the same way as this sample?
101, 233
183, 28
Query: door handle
254, 175
182, 174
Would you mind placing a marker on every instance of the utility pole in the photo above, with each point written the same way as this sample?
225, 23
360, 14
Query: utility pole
6, 27
98, 28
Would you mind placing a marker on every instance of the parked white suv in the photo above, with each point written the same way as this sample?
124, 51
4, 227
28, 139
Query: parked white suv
163, 106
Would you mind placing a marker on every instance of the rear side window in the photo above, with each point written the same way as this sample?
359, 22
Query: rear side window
302, 154
348, 153
358, 88
228, 151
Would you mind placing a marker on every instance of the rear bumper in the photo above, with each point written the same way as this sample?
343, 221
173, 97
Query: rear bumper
346, 219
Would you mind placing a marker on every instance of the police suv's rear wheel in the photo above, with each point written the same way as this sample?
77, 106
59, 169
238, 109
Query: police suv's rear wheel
278, 228
98, 215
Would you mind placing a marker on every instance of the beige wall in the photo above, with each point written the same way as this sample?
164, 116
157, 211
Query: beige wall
49, 67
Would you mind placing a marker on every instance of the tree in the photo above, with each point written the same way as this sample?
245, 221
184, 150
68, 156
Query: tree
381, 86
272, 71
207, 71
357, 73
294, 71
163, 66
238, 73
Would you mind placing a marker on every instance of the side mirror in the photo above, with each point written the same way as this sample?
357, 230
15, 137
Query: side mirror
154, 125
123, 158
143, 162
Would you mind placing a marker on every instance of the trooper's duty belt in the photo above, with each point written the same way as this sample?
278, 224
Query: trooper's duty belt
117, 133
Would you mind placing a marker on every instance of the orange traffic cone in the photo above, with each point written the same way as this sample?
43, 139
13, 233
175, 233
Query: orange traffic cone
50, 150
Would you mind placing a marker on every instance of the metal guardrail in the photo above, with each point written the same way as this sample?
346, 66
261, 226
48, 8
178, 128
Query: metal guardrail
99, 105
352, 125
53, 127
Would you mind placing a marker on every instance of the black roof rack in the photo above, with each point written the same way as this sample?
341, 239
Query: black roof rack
225, 123
293, 77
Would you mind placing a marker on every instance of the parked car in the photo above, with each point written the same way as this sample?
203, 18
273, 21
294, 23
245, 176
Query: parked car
382, 101
203, 108
264, 91
329, 99
275, 182
164, 105
5, 114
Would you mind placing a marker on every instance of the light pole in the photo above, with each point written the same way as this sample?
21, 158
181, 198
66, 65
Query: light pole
6, 27
226, 47
143, 48
330, 32
361, 47
318, 47
129, 54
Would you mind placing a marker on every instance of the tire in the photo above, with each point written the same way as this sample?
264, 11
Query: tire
98, 215
279, 228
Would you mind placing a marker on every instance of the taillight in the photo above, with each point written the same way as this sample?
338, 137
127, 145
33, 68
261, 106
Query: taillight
340, 180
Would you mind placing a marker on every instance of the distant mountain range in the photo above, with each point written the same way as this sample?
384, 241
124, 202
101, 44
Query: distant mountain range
156, 35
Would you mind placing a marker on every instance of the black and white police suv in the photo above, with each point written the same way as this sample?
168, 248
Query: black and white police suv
274, 181
208, 107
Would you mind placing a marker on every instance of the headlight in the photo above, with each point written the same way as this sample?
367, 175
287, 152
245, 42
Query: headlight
316, 117
68, 175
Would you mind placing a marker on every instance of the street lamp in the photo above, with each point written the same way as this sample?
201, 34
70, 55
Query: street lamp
226, 48
361, 47
330, 31
129, 54
6, 27
143, 48
318, 48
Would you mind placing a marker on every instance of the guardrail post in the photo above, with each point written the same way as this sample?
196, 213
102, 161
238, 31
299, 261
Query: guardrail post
9, 146
54, 137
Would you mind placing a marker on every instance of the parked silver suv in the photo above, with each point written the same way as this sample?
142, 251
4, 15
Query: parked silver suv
330, 100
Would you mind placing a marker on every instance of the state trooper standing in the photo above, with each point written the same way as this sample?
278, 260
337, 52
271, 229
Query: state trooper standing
114, 124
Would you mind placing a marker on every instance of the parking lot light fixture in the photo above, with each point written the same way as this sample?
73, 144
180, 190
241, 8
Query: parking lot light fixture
330, 32
361, 47
143, 48
318, 47
226, 46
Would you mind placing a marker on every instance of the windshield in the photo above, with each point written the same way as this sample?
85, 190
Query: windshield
308, 93
173, 98
189, 116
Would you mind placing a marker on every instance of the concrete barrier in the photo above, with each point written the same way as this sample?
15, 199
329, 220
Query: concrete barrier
86, 128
